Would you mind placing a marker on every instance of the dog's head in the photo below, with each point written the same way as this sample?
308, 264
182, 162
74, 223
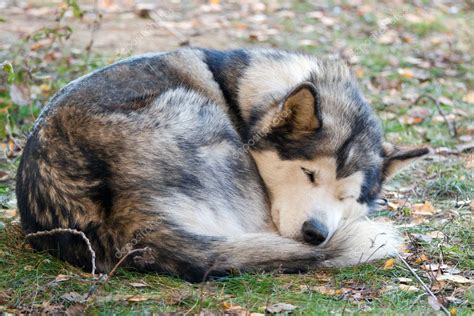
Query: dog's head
322, 157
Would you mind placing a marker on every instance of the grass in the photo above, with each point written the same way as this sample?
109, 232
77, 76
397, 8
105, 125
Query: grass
32, 281
30, 278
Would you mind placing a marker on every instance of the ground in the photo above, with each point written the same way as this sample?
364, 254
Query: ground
414, 63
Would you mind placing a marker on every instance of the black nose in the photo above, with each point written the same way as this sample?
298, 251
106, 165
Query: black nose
314, 232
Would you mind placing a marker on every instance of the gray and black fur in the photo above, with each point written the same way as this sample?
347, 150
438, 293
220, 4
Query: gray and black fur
144, 150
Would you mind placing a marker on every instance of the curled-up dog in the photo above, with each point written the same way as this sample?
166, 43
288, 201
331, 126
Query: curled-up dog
218, 161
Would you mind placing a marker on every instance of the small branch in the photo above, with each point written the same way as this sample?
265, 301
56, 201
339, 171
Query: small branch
146, 249
70, 231
451, 127
94, 28
425, 287
104, 278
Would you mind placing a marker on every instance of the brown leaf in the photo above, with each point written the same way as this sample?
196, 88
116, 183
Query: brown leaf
469, 162
62, 277
234, 309
408, 288
4, 298
454, 278
406, 73
138, 298
392, 205
423, 209
75, 309
389, 264
388, 37
421, 259
404, 280
280, 308
8, 213
4, 176
138, 284
469, 97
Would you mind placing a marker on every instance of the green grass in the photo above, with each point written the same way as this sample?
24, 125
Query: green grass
30, 276
27, 278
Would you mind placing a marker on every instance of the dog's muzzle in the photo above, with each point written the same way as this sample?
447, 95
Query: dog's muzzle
314, 232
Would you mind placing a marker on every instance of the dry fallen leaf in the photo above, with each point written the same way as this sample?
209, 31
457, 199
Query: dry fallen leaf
4, 176
469, 162
408, 288
392, 206
434, 267
454, 278
404, 280
389, 37
389, 264
8, 213
421, 259
138, 298
234, 309
280, 308
138, 284
423, 209
62, 277
406, 73
469, 97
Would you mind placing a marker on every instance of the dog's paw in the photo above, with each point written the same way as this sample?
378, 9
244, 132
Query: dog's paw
362, 241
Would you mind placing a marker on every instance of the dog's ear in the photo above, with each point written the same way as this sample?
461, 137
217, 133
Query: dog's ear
397, 158
299, 110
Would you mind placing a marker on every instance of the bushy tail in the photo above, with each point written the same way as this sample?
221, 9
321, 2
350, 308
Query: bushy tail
362, 241
195, 257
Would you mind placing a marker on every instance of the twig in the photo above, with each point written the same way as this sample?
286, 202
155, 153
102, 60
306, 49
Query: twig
94, 28
451, 127
146, 249
71, 231
425, 287
93, 289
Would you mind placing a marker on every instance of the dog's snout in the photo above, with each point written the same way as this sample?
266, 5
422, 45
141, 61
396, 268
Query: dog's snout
314, 232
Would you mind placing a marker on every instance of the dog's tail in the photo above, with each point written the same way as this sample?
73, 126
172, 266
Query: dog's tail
195, 257
361, 241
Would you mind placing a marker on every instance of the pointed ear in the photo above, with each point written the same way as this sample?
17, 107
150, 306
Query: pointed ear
299, 110
397, 158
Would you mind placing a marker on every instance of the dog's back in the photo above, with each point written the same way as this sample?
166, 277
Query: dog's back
141, 153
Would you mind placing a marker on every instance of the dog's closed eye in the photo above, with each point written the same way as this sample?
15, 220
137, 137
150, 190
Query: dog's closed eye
346, 197
310, 174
